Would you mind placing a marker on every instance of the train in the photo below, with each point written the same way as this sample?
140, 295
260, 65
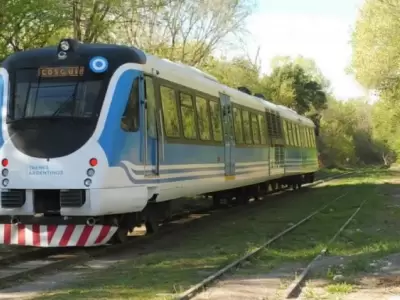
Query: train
98, 139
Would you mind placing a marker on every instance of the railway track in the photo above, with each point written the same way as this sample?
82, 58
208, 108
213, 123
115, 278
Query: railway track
19, 266
294, 288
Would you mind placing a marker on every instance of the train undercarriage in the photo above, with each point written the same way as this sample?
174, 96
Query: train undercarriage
115, 228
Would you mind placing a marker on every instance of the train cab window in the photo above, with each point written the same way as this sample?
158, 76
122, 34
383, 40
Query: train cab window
203, 118
170, 112
263, 129
130, 118
216, 124
255, 129
188, 117
247, 129
238, 125
151, 106
309, 137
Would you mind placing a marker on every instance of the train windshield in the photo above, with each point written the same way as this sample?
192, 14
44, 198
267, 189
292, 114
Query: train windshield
38, 97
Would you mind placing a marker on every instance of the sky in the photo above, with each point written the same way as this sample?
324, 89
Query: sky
317, 29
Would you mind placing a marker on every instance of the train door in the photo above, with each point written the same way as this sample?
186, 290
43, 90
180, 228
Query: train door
151, 129
229, 138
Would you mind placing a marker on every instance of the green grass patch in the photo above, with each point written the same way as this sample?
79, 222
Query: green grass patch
340, 288
176, 268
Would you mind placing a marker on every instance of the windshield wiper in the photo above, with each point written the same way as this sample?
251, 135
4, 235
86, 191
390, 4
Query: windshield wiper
72, 97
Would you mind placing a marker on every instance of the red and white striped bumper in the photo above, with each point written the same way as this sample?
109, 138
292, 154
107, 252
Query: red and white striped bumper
56, 235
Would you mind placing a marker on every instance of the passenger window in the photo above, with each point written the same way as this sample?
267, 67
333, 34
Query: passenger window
130, 118
263, 129
216, 120
238, 125
305, 134
285, 132
203, 118
151, 106
255, 129
171, 120
188, 117
313, 138
293, 134
298, 135
246, 127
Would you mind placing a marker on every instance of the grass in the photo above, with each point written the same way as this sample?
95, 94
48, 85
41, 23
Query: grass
176, 268
340, 288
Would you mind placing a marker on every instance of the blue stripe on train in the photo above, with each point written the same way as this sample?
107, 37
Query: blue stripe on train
174, 179
139, 171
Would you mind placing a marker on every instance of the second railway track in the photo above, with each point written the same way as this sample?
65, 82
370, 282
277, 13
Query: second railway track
19, 266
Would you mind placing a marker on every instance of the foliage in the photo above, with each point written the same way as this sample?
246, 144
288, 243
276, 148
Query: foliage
190, 31
375, 63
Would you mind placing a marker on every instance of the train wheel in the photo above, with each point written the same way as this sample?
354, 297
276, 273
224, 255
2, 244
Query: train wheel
220, 202
243, 200
120, 237
152, 225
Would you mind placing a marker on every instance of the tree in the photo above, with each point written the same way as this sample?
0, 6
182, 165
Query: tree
28, 24
187, 30
376, 51
290, 85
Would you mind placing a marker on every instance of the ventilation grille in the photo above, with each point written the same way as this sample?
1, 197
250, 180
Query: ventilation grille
72, 198
12, 198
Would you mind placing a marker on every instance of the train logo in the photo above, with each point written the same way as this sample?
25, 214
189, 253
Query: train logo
98, 64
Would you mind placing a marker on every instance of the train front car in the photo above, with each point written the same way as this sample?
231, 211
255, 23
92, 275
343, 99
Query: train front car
60, 137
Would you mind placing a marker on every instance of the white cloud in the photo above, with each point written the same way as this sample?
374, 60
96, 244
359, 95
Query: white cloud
326, 39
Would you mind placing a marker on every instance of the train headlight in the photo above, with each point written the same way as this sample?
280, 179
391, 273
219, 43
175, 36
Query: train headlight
90, 172
87, 182
64, 45
5, 182
4, 172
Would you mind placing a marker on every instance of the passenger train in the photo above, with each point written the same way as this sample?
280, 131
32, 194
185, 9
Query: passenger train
97, 139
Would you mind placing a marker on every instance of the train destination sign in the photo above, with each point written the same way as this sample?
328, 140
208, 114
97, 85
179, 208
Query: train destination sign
63, 71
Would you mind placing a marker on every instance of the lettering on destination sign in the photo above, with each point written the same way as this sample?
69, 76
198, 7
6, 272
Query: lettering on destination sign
61, 71
43, 171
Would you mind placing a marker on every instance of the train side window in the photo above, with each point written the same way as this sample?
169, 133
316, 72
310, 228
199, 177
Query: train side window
238, 125
255, 129
306, 140
298, 135
309, 137
216, 124
247, 128
295, 140
313, 139
263, 129
285, 132
130, 118
301, 135
170, 112
203, 118
151, 106
188, 117
291, 134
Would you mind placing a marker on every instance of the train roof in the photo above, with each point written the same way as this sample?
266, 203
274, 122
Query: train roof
200, 80
116, 54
